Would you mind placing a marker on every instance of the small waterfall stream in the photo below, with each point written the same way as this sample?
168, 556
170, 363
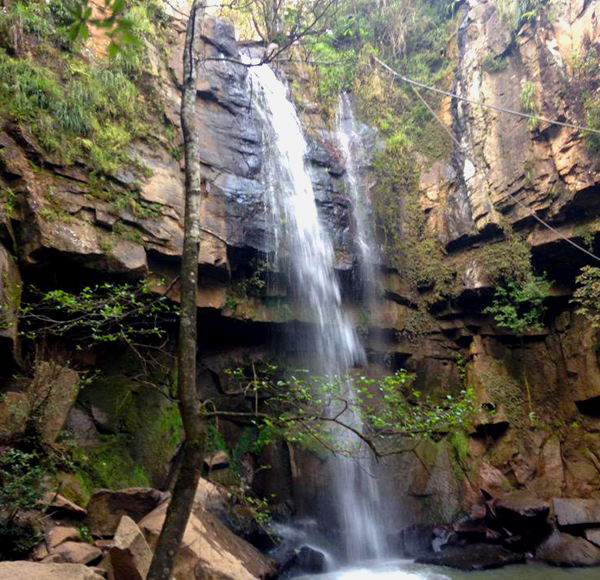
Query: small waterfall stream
304, 245
353, 153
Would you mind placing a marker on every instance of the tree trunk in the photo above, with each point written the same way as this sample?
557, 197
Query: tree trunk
184, 492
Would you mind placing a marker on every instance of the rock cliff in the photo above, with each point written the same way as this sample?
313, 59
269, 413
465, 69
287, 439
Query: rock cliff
538, 395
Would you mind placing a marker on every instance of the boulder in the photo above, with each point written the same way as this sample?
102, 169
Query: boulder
311, 560
443, 536
305, 559
60, 507
130, 554
209, 549
107, 507
59, 386
471, 529
521, 509
81, 428
40, 552
473, 557
520, 520
60, 534
74, 553
416, 540
38, 571
562, 549
571, 512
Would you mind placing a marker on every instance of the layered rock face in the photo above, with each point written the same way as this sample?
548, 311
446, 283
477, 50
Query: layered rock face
63, 225
538, 396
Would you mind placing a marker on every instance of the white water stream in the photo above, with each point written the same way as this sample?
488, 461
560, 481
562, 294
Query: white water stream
349, 138
304, 246
408, 570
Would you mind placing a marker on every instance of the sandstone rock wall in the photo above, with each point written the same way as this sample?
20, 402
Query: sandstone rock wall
537, 395
540, 393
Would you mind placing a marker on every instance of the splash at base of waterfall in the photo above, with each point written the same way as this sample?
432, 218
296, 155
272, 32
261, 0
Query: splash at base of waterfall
409, 570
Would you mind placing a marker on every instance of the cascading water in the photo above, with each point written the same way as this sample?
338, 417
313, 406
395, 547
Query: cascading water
310, 255
353, 153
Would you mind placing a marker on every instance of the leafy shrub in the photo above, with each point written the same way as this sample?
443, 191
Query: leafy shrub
516, 13
528, 103
20, 492
587, 294
493, 64
104, 313
92, 113
507, 260
591, 108
519, 305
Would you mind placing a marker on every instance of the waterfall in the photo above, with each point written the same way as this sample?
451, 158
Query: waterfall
305, 246
353, 153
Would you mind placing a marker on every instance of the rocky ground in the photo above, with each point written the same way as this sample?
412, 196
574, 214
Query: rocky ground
120, 529
512, 529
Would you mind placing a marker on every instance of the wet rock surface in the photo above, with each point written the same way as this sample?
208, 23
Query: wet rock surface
562, 549
570, 512
473, 557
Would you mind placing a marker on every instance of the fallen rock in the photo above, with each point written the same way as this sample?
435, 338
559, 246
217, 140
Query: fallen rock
74, 553
107, 507
311, 560
60, 534
40, 552
473, 557
305, 559
521, 509
130, 554
209, 549
562, 549
104, 545
443, 536
472, 530
242, 522
571, 512
38, 571
59, 386
416, 540
520, 520
60, 507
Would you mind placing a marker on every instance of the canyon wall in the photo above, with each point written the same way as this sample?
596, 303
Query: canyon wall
537, 395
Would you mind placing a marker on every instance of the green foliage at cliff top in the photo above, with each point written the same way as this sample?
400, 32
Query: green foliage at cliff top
76, 107
516, 13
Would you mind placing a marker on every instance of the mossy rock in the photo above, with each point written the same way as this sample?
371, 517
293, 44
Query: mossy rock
142, 427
